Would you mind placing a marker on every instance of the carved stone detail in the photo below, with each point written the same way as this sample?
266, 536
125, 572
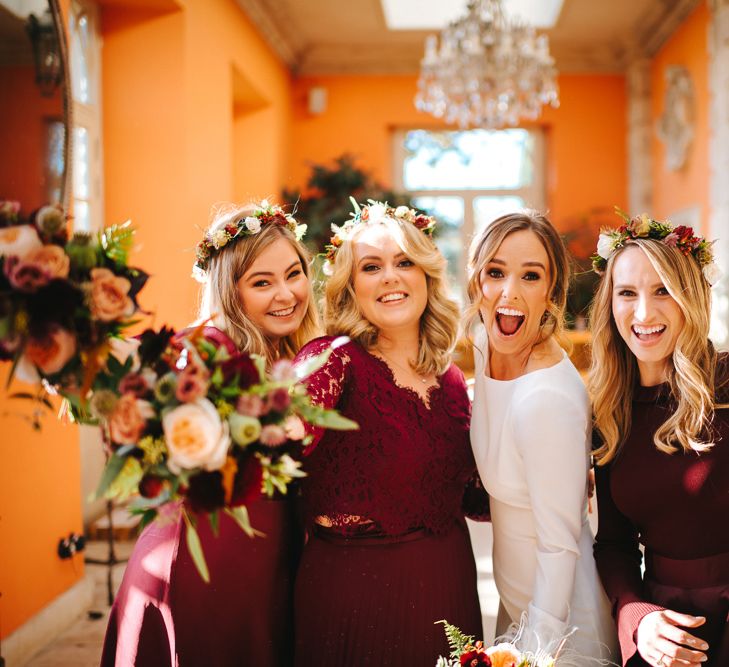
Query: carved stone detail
640, 177
719, 162
676, 124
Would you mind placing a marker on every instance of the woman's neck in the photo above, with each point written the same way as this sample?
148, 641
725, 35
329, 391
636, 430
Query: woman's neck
513, 365
652, 373
401, 345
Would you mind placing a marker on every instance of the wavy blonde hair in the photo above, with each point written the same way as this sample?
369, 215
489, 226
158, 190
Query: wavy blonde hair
691, 374
439, 321
484, 249
221, 302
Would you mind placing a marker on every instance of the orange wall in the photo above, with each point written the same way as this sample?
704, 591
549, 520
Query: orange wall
586, 153
173, 145
688, 187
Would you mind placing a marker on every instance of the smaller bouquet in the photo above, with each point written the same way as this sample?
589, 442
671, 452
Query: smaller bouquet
466, 652
190, 419
62, 300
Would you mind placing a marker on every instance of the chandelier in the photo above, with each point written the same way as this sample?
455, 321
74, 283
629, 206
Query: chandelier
487, 72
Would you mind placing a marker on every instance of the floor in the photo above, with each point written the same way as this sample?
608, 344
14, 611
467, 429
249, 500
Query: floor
80, 645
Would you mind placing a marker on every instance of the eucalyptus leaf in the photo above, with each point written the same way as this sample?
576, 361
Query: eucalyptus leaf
111, 472
239, 514
195, 549
331, 419
260, 363
214, 518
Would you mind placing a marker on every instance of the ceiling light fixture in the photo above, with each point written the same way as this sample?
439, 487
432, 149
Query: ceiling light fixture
486, 71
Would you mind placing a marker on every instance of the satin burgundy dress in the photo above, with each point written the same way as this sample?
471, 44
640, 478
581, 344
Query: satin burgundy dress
388, 552
165, 615
676, 506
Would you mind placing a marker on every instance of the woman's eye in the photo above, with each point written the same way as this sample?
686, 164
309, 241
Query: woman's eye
531, 275
261, 283
662, 291
370, 268
495, 273
294, 273
626, 292
405, 263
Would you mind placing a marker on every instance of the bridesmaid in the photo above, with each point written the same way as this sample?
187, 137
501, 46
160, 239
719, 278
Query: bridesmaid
258, 292
659, 392
388, 552
531, 437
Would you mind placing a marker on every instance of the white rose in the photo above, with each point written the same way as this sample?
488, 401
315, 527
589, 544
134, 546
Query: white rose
196, 437
327, 269
377, 212
253, 225
123, 348
18, 240
605, 246
220, 238
401, 211
712, 273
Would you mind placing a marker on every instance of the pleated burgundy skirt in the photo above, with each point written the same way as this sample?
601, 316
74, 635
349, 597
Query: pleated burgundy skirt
699, 587
374, 600
166, 615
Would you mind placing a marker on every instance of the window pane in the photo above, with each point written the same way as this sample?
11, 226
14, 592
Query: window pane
487, 209
473, 159
81, 217
449, 213
81, 159
80, 53
55, 131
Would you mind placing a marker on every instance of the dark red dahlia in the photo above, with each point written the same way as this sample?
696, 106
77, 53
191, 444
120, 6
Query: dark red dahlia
474, 657
205, 492
150, 486
247, 482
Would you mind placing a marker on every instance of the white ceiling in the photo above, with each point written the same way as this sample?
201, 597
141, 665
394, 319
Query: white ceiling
351, 36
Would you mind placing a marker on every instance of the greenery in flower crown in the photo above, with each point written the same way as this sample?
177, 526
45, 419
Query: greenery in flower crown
372, 213
644, 227
217, 238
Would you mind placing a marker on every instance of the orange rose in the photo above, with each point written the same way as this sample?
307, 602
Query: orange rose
110, 296
127, 422
52, 259
51, 353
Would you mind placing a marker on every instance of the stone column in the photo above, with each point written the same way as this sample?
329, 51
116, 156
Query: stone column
640, 176
719, 162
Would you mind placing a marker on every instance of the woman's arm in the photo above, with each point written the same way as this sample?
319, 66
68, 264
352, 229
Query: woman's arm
550, 427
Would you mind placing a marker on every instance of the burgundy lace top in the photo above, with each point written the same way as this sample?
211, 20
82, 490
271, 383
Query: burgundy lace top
407, 466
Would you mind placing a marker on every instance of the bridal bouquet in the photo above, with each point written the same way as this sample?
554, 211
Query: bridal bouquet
466, 652
62, 300
188, 418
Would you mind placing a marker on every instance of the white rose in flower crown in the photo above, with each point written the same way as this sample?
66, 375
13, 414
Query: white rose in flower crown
252, 224
712, 273
220, 238
18, 240
605, 246
196, 437
401, 211
377, 212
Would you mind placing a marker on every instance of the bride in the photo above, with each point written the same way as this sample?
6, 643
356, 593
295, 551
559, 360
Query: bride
530, 434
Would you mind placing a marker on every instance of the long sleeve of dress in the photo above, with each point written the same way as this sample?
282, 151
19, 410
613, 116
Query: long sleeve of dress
550, 429
619, 559
325, 385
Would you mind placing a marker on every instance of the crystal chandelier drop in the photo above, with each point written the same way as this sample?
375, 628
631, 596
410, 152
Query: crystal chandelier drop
487, 72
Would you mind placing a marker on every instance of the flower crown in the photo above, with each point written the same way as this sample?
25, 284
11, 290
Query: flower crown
372, 213
217, 237
644, 227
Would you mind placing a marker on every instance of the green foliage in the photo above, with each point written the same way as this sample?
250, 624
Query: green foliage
195, 548
116, 242
457, 640
326, 199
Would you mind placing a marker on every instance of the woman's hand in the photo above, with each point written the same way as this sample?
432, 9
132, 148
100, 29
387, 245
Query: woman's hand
662, 641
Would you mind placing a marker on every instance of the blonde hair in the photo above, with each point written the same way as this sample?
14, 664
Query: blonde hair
691, 373
484, 249
221, 302
439, 321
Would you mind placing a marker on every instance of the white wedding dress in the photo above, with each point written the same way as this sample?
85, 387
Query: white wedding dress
531, 440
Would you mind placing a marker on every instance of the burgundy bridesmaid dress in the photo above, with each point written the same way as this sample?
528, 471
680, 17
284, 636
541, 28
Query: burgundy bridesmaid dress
388, 552
676, 506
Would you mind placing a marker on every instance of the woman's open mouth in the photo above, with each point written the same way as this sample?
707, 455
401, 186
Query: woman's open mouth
393, 297
509, 320
648, 334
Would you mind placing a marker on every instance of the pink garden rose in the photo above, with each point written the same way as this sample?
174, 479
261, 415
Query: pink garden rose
128, 420
25, 276
52, 259
51, 353
251, 405
192, 383
110, 296
272, 436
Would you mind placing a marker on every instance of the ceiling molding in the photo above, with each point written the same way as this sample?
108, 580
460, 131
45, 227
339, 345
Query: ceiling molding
658, 25
267, 17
